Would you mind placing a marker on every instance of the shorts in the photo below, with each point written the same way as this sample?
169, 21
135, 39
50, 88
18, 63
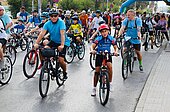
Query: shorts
3, 42
99, 59
52, 44
135, 46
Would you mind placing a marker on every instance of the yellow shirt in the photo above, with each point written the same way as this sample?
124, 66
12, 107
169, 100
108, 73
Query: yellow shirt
76, 28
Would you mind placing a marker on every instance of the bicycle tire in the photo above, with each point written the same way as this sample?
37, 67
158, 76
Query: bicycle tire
125, 68
104, 88
22, 44
131, 63
29, 46
92, 61
27, 58
9, 69
45, 69
69, 57
60, 77
157, 41
11, 52
81, 51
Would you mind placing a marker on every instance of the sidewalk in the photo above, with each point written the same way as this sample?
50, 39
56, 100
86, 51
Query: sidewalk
156, 94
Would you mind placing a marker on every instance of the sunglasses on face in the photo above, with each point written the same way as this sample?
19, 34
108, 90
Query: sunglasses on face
43, 18
53, 15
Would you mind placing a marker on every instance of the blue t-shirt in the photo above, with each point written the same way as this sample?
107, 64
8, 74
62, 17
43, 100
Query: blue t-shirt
23, 16
54, 30
20, 28
36, 20
131, 30
6, 19
104, 43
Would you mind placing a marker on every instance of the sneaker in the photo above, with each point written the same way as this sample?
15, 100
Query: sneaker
93, 92
141, 68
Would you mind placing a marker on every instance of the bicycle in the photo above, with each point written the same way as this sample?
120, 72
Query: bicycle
73, 50
6, 70
104, 86
128, 58
51, 68
11, 52
159, 36
30, 63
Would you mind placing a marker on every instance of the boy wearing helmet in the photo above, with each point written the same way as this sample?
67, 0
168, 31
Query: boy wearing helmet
102, 42
76, 28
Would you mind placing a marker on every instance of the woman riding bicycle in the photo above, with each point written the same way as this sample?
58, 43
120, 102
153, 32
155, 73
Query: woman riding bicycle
103, 42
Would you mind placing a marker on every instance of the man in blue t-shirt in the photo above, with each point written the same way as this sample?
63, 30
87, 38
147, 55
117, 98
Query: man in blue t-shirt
56, 28
36, 19
22, 14
132, 27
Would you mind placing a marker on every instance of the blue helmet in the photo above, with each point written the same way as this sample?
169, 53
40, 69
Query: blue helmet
45, 14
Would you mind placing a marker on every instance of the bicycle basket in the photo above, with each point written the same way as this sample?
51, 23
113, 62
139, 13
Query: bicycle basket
48, 52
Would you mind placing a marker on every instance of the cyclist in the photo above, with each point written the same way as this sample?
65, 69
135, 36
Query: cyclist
20, 26
163, 26
36, 19
56, 28
96, 20
102, 42
132, 27
76, 28
5, 24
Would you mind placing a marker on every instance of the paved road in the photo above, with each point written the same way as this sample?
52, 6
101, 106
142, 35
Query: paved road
22, 95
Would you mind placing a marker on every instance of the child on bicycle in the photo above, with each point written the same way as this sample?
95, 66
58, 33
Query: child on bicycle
76, 29
103, 43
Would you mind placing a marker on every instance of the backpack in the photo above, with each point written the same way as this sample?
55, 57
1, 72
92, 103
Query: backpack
126, 27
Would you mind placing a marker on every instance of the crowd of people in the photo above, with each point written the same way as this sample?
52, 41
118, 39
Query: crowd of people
91, 25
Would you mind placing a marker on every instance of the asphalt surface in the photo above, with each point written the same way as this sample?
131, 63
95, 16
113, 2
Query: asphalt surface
22, 95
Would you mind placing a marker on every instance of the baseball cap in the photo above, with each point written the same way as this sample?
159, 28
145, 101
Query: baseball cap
1, 7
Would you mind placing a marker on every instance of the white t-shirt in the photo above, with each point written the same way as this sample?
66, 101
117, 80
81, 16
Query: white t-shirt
96, 21
2, 30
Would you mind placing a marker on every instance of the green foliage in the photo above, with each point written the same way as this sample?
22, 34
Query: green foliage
77, 5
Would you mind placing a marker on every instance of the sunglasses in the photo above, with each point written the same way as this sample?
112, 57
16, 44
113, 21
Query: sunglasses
53, 15
43, 18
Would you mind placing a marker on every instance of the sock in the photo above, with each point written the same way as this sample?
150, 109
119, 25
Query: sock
140, 62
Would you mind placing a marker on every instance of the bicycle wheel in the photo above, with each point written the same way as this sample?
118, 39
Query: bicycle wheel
69, 57
30, 63
146, 43
125, 68
23, 44
6, 71
29, 46
158, 41
44, 80
131, 62
92, 61
104, 88
60, 77
11, 52
81, 51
